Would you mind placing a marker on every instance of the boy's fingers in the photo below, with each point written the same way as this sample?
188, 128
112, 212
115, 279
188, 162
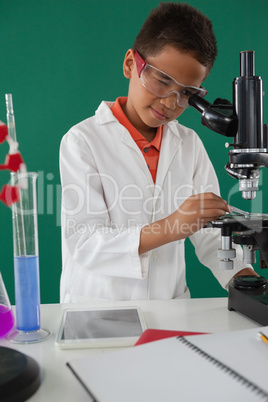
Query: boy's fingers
208, 208
213, 214
210, 198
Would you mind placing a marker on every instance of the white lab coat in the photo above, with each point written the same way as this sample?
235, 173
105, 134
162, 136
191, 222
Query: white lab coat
108, 195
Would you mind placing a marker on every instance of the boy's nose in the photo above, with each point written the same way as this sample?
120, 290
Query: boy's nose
170, 101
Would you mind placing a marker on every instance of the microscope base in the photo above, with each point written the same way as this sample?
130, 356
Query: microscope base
253, 303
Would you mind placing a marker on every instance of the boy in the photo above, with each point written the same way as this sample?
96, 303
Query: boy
135, 182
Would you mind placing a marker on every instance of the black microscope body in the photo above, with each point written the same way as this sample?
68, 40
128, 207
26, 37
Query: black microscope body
242, 120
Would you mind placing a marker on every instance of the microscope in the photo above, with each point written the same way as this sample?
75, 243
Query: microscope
242, 121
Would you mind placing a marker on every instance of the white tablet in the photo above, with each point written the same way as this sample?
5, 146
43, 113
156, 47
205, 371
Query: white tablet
100, 327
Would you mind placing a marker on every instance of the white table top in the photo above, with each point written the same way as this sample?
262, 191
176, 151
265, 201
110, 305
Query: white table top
59, 384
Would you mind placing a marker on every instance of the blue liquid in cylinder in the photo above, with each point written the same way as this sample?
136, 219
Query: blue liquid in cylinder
27, 293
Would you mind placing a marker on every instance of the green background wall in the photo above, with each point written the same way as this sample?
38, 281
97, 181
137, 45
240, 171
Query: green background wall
61, 58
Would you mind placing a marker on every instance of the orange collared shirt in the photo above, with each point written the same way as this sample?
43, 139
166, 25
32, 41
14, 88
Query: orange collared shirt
150, 150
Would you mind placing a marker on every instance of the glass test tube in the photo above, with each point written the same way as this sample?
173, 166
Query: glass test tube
10, 117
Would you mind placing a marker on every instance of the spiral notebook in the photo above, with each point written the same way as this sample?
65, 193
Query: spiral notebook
230, 366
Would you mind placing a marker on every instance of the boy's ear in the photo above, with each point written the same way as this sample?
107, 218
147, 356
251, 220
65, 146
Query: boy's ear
129, 63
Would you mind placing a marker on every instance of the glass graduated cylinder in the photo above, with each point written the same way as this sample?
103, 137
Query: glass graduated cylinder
26, 255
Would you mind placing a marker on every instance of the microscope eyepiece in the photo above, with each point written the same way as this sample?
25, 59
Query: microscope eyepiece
217, 117
247, 63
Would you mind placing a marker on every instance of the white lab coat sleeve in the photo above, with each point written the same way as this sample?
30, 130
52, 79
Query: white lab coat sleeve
208, 240
89, 238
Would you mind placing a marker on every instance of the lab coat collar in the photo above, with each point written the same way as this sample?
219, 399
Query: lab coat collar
104, 115
171, 140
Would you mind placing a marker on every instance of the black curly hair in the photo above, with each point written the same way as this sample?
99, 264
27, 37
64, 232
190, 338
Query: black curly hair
181, 26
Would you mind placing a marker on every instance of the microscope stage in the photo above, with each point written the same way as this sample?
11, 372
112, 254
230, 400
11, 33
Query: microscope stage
237, 222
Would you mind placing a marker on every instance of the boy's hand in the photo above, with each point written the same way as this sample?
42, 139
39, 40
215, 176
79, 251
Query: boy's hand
191, 216
195, 212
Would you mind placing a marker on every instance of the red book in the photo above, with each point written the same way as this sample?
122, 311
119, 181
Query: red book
150, 335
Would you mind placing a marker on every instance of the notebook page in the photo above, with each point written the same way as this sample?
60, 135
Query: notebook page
243, 351
164, 370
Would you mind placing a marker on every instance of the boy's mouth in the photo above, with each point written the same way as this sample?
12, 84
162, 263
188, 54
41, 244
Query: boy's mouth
158, 115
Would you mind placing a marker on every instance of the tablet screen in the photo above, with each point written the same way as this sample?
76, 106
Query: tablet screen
103, 325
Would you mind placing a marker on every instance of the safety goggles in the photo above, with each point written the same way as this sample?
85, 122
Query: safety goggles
163, 85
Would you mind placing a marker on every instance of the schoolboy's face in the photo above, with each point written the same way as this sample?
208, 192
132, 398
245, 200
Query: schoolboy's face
146, 111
